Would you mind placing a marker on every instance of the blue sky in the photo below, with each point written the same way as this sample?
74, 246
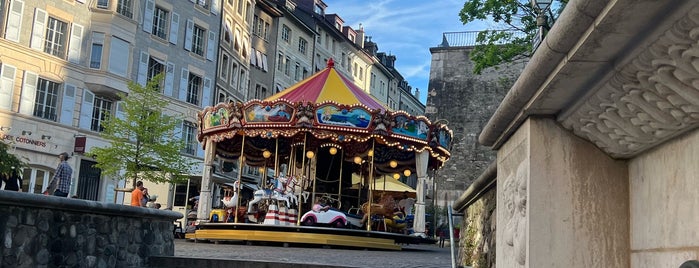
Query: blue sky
405, 28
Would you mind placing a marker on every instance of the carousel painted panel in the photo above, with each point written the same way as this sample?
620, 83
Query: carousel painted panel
215, 118
409, 126
269, 113
353, 117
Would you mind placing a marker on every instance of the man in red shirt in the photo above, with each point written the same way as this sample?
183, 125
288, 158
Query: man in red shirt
137, 195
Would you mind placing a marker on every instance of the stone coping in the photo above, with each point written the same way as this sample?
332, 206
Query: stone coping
480, 186
11, 198
588, 43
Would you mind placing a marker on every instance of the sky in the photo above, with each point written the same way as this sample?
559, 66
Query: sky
406, 29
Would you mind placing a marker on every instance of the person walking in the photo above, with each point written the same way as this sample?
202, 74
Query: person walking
137, 195
62, 178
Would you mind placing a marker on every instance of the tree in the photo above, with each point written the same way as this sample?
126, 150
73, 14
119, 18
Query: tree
517, 27
9, 162
143, 141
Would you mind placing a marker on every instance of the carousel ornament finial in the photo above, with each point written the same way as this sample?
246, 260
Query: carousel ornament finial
331, 63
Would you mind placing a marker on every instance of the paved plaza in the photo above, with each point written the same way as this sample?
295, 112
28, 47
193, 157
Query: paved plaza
411, 256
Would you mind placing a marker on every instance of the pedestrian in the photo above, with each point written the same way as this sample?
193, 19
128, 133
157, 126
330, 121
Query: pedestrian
62, 178
442, 237
12, 181
137, 195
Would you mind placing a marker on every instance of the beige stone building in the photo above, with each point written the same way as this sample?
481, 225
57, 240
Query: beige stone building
597, 142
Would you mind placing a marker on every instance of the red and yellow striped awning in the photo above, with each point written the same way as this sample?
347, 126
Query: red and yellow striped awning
328, 85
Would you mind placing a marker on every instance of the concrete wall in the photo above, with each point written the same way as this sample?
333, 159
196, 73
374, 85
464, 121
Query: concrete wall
48, 231
664, 204
562, 201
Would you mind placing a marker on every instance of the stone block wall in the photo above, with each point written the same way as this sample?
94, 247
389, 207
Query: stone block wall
478, 233
48, 231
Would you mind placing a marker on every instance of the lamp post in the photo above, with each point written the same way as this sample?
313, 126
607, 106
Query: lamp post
540, 8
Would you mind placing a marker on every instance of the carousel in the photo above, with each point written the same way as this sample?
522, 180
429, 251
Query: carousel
330, 165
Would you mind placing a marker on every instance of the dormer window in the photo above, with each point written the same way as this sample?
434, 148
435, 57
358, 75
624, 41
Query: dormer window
318, 9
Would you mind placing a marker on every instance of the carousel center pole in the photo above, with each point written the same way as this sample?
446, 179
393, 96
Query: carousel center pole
240, 177
276, 160
371, 182
303, 164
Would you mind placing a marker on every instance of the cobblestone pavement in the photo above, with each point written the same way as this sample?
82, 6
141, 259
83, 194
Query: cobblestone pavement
410, 256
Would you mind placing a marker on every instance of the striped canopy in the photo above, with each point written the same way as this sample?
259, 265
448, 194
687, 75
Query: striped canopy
328, 85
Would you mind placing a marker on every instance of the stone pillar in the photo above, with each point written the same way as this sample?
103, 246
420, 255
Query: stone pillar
561, 201
205, 192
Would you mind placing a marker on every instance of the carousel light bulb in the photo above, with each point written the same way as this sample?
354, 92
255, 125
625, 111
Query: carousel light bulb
396, 176
266, 154
333, 150
407, 173
393, 163
261, 169
370, 153
357, 160
310, 154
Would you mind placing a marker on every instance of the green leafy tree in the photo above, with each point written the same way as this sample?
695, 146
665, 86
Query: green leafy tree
516, 28
9, 162
143, 142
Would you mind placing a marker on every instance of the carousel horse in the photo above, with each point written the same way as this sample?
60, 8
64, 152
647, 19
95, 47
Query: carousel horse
278, 194
385, 208
294, 188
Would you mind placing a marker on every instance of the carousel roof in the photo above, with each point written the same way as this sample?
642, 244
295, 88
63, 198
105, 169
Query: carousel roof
328, 86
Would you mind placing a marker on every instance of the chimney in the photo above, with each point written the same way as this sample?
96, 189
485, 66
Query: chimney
360, 36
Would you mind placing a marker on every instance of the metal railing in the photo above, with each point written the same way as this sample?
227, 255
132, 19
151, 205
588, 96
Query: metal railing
468, 38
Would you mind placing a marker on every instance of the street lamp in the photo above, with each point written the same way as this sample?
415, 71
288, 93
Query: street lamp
540, 7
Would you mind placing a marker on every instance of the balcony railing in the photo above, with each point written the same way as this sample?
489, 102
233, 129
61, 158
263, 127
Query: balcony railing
468, 39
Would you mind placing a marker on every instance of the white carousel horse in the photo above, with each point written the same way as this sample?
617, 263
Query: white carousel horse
294, 188
231, 201
277, 194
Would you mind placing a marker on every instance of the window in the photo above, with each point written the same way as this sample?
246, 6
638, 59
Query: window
117, 62
96, 51
155, 67
240, 7
234, 74
203, 3
103, 4
224, 67
297, 72
45, 102
286, 33
189, 137
124, 7
160, 22
198, 40
287, 66
361, 73
318, 9
302, 45
193, 88
260, 92
243, 77
256, 25
55, 41
102, 107
280, 62
265, 31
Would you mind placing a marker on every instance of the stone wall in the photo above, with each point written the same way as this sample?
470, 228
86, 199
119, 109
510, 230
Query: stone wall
48, 231
466, 101
478, 233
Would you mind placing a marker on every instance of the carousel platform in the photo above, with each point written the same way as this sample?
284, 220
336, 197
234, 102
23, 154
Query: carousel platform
304, 235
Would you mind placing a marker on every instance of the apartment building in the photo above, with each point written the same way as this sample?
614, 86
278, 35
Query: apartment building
295, 47
234, 51
63, 64
264, 47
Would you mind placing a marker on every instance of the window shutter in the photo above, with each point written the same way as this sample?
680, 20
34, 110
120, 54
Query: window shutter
26, 104
211, 46
184, 82
264, 62
76, 41
174, 27
143, 68
216, 7
118, 60
86, 108
68, 105
148, 16
7, 84
39, 29
200, 151
177, 133
119, 112
206, 93
188, 35
258, 55
14, 20
253, 60
169, 79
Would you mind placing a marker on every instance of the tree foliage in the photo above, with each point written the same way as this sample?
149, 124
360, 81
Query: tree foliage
8, 161
516, 28
143, 141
